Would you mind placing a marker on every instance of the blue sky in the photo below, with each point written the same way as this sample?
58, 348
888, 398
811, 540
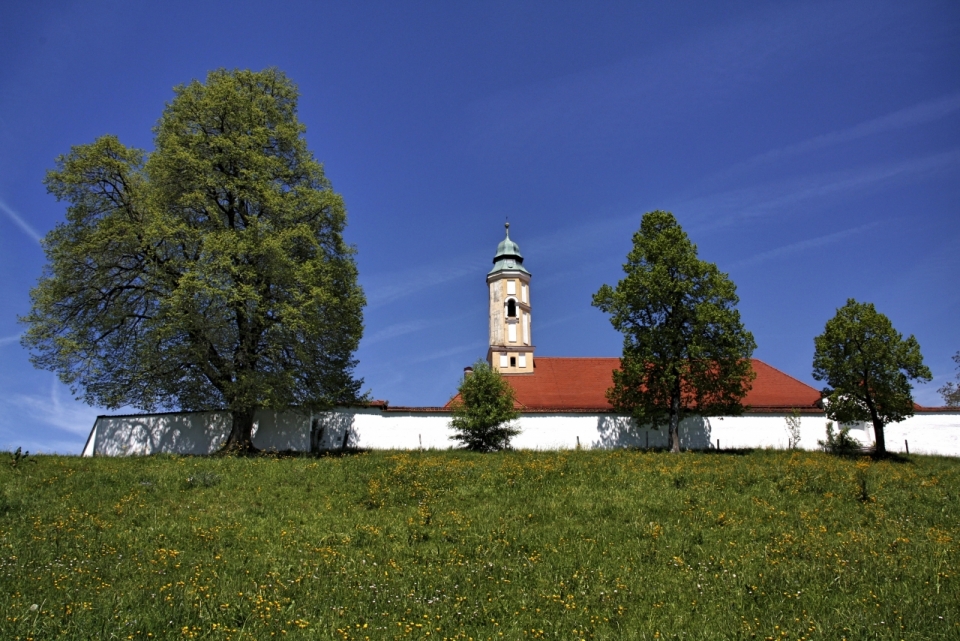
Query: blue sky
810, 149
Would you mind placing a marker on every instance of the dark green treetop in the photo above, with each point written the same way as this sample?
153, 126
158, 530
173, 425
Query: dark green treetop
209, 273
483, 410
867, 366
685, 350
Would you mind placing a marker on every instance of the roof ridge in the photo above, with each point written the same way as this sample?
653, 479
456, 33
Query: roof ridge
596, 358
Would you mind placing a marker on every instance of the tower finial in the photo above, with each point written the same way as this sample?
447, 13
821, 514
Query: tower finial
506, 226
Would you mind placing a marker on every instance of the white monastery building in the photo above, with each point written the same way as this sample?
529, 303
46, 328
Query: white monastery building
562, 402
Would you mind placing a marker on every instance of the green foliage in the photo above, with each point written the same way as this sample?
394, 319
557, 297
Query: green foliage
210, 273
685, 350
793, 428
19, 457
839, 441
951, 391
867, 366
483, 410
610, 544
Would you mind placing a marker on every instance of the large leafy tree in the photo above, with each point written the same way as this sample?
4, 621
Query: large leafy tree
867, 366
685, 350
483, 410
951, 390
209, 273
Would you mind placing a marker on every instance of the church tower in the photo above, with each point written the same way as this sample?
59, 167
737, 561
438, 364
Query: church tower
511, 348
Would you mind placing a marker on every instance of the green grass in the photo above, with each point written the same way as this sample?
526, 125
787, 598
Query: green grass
519, 545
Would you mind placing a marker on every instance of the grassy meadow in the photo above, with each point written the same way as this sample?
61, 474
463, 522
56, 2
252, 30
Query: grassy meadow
451, 545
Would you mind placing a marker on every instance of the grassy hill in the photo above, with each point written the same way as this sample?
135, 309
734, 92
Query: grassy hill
520, 545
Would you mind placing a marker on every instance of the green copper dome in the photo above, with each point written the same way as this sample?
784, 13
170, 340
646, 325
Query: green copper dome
508, 258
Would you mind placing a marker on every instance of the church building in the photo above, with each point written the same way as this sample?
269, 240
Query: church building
562, 404
552, 384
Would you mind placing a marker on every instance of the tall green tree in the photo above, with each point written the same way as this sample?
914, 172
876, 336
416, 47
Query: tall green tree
951, 390
867, 366
483, 410
685, 350
209, 273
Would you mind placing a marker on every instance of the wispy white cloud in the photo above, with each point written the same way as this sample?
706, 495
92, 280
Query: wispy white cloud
385, 288
918, 114
812, 243
382, 289
20, 222
48, 409
411, 327
725, 208
40, 444
698, 213
8, 340
619, 101
392, 331
451, 351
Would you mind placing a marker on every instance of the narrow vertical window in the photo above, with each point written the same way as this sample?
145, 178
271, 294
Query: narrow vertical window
503, 360
511, 308
526, 329
512, 332
513, 361
523, 292
511, 288
523, 361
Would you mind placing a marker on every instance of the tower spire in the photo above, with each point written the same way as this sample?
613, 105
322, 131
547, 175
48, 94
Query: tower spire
511, 347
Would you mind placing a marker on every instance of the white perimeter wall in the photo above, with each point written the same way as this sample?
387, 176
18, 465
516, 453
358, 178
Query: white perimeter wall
373, 428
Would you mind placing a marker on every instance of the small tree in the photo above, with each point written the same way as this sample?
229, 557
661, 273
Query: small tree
839, 441
685, 350
867, 366
793, 428
483, 410
951, 391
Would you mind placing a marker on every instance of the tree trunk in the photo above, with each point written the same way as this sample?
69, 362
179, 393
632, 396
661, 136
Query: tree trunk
878, 432
881, 446
675, 422
240, 440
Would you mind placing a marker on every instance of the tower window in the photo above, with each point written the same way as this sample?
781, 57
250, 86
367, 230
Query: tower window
511, 287
512, 308
513, 361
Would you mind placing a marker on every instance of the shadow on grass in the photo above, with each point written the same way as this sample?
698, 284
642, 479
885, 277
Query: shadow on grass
340, 453
867, 452
276, 454
741, 451
746, 451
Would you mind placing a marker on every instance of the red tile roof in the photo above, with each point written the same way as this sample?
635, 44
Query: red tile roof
580, 384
